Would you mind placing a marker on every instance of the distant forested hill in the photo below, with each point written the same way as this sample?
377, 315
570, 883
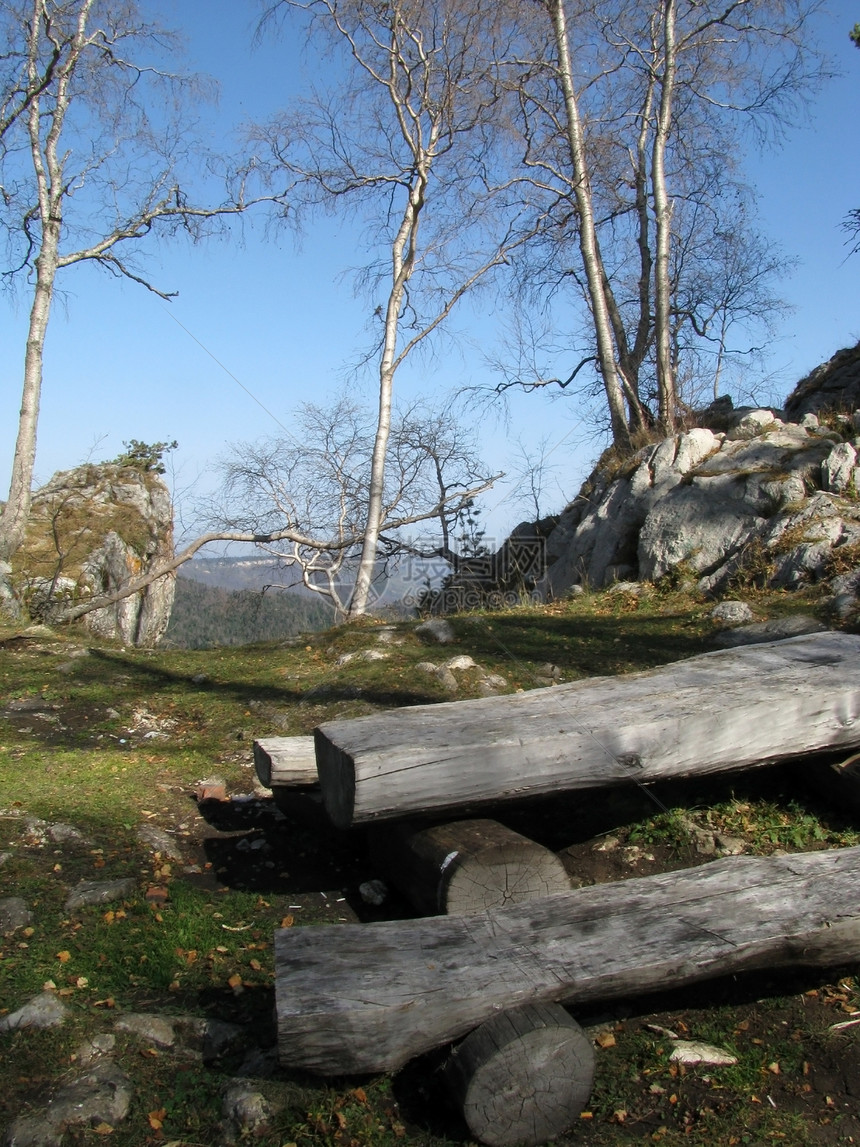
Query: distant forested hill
207, 615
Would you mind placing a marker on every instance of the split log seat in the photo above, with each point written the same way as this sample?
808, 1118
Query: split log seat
720, 711
369, 997
286, 762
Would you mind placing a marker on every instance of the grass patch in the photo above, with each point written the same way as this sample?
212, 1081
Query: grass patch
113, 742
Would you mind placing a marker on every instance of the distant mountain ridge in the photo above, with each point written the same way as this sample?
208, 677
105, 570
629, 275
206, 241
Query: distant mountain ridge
396, 591
248, 572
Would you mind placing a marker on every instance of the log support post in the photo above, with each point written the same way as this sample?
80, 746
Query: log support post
524, 1076
465, 866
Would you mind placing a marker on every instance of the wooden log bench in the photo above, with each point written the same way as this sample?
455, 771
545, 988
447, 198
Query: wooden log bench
460, 867
369, 997
720, 711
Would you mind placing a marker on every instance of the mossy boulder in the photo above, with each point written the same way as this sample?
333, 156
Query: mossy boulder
92, 530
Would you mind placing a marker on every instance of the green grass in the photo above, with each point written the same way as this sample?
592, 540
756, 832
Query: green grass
79, 754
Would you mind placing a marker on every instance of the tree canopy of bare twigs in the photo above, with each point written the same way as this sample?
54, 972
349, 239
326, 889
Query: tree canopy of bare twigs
408, 142
309, 492
633, 119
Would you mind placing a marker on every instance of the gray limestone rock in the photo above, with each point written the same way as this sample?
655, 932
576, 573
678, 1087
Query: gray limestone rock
837, 469
732, 613
94, 1048
99, 892
751, 424
776, 630
212, 1038
129, 520
246, 1108
260, 1063
436, 629
159, 841
373, 892
44, 1011
102, 1094
33, 1131
833, 385
68, 834
14, 914
729, 845
149, 1028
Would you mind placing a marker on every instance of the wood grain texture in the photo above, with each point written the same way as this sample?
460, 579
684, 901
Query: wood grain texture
369, 997
282, 762
465, 866
523, 1076
720, 711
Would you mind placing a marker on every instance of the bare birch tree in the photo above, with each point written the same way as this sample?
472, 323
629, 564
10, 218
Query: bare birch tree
315, 482
409, 143
303, 500
633, 133
94, 141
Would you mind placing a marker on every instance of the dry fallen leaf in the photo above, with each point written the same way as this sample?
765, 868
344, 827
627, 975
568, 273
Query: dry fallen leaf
605, 1039
156, 1119
288, 922
64, 957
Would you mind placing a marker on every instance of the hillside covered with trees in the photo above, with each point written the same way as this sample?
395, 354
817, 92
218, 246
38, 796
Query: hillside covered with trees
207, 615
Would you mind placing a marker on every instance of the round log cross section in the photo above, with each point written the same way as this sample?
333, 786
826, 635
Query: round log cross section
524, 1076
466, 866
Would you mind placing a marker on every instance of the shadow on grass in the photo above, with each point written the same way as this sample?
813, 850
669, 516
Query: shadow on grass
584, 644
172, 681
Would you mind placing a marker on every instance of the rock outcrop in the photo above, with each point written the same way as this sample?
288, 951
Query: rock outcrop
833, 386
92, 529
769, 501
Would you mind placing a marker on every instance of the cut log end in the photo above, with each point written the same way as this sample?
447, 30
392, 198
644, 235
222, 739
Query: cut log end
524, 1076
467, 866
337, 779
283, 762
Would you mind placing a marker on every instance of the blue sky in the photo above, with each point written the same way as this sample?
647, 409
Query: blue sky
285, 322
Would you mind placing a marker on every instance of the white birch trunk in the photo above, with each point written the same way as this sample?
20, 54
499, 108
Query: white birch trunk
663, 218
587, 231
402, 264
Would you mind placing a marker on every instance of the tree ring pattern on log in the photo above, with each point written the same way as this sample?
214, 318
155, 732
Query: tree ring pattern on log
524, 1076
466, 866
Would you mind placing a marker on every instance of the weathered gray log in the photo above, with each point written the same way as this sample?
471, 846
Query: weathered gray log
466, 866
286, 762
524, 1076
369, 997
719, 711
